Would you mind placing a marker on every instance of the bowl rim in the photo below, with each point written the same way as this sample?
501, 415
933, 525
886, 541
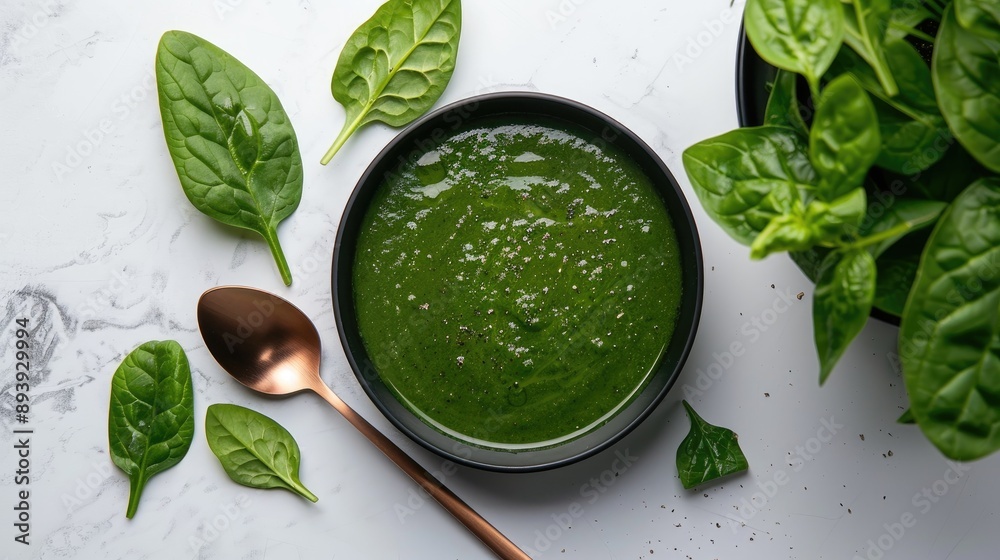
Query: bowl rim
692, 267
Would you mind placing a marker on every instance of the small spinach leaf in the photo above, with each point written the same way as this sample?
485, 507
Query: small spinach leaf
708, 452
844, 140
965, 67
230, 140
914, 134
746, 177
396, 65
788, 232
801, 37
841, 304
831, 221
783, 103
151, 418
819, 222
950, 333
254, 450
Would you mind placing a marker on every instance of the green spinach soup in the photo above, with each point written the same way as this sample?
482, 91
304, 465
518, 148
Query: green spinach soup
517, 283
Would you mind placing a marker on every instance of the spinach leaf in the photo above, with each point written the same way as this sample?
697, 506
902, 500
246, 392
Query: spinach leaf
396, 65
914, 134
708, 452
865, 26
254, 450
746, 177
809, 261
783, 104
841, 304
834, 220
965, 67
906, 418
801, 37
788, 232
819, 222
950, 333
944, 180
902, 217
844, 139
151, 418
904, 18
979, 16
231, 142
896, 271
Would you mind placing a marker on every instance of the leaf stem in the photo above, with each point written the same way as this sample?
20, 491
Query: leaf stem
877, 59
345, 133
134, 493
813, 88
304, 492
271, 236
894, 231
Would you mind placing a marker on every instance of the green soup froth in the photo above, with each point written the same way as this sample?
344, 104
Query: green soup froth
516, 285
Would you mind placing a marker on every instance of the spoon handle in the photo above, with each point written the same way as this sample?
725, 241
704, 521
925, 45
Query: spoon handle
491, 537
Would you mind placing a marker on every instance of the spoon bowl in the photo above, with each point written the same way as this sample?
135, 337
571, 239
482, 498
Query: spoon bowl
272, 347
260, 339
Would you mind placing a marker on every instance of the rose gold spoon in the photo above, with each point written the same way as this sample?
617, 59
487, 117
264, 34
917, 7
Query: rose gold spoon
271, 346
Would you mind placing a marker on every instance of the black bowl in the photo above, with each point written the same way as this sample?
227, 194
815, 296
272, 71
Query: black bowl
428, 131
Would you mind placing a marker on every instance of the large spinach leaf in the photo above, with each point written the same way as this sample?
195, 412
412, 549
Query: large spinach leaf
708, 452
841, 304
397, 64
746, 177
254, 450
950, 334
965, 68
232, 144
151, 418
844, 139
979, 16
801, 37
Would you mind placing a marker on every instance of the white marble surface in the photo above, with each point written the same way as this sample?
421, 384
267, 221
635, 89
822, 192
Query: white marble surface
102, 251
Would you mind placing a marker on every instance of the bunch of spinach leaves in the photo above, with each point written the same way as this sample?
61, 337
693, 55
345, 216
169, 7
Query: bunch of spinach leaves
887, 194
